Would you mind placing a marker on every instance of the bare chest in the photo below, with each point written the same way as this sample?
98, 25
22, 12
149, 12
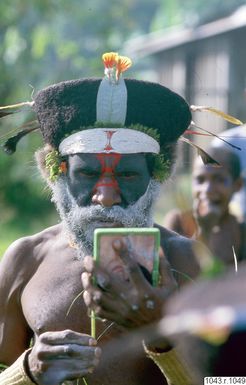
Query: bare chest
52, 299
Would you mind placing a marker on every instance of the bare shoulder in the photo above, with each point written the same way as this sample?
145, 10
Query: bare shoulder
173, 213
174, 241
181, 252
25, 254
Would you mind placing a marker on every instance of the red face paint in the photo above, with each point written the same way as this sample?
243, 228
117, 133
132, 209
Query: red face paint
108, 146
108, 164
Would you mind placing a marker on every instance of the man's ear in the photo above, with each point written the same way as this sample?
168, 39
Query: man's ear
238, 184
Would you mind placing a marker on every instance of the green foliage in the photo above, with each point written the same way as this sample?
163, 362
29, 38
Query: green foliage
192, 12
216, 267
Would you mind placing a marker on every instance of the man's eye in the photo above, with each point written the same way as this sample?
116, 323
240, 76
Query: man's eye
88, 173
127, 175
200, 180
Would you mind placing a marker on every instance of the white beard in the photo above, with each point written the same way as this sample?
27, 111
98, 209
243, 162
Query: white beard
80, 222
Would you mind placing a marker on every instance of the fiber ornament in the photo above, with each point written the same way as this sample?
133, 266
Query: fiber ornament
114, 65
112, 92
52, 164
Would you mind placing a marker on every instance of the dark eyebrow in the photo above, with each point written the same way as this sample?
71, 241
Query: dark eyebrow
127, 172
86, 167
128, 167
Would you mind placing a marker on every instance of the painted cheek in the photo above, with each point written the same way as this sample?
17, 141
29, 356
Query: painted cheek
132, 191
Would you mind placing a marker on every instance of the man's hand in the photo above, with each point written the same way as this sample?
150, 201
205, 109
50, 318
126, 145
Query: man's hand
130, 303
61, 356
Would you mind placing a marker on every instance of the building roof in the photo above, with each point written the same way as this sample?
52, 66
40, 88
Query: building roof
177, 36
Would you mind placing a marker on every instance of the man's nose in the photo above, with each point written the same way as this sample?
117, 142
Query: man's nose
106, 193
208, 188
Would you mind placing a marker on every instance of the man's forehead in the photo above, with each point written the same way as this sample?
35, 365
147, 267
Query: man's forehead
96, 159
226, 159
201, 168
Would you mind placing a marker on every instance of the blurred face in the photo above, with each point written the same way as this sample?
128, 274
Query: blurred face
212, 187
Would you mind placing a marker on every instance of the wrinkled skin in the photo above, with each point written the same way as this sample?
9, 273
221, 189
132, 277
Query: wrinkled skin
41, 290
58, 356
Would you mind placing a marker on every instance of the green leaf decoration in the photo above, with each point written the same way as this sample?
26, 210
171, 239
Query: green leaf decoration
52, 163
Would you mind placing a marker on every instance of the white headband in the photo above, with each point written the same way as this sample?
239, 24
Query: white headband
109, 140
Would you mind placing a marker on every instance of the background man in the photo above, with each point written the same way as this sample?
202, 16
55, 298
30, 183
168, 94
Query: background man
109, 144
237, 137
210, 220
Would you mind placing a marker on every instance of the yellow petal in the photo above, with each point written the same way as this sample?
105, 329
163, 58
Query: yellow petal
110, 59
124, 63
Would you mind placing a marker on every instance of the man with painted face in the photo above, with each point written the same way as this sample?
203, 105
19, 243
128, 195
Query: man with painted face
109, 144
